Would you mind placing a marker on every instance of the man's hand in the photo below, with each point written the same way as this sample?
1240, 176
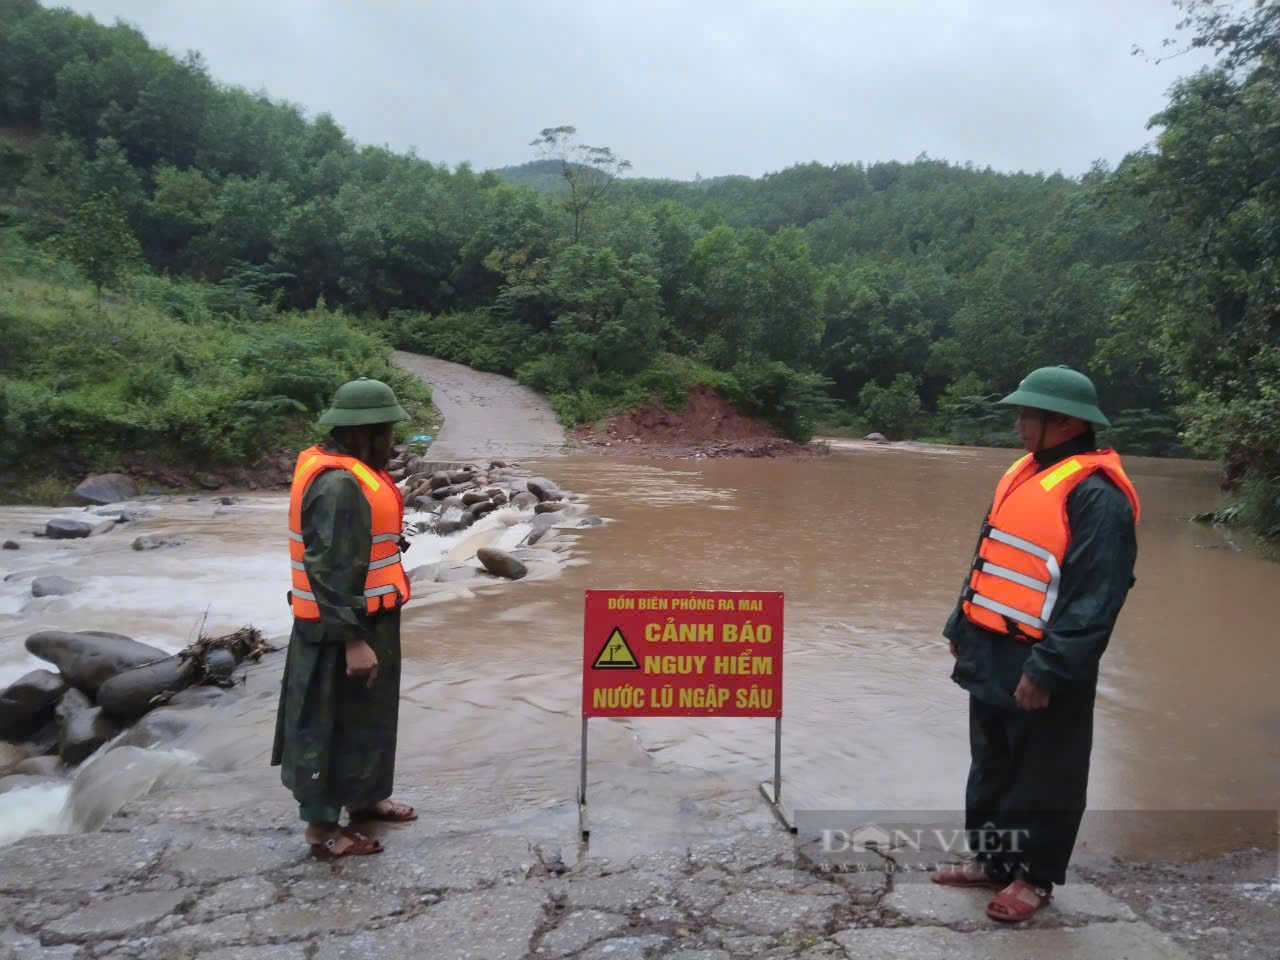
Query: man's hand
361, 661
1030, 695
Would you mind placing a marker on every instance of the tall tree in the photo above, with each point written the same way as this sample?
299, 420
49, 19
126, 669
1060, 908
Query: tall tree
98, 241
588, 171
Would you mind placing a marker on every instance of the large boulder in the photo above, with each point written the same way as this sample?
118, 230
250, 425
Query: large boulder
524, 500
439, 480
474, 497
28, 703
103, 488
876, 438
131, 693
550, 507
52, 587
484, 506
89, 658
84, 733
10, 756
545, 490
64, 528
501, 564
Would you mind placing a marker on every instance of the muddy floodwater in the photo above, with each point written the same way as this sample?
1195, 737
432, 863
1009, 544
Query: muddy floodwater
869, 546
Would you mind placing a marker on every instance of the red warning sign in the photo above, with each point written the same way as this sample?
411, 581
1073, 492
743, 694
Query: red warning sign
682, 653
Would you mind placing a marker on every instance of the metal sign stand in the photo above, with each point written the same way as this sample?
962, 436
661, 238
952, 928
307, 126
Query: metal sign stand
772, 790
583, 824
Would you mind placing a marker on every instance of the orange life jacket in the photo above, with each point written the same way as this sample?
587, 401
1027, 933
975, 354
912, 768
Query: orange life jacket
386, 586
1013, 584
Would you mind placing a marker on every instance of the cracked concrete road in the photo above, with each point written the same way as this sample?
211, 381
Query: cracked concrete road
485, 415
160, 886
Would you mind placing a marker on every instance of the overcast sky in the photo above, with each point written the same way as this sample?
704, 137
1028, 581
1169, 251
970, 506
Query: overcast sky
699, 87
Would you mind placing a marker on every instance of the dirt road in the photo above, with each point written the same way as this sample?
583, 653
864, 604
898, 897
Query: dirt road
485, 415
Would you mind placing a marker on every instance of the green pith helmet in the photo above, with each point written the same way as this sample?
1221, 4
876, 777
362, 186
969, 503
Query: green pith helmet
1059, 390
361, 402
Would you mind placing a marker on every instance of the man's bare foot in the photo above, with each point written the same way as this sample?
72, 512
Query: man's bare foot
329, 840
388, 810
1018, 901
970, 873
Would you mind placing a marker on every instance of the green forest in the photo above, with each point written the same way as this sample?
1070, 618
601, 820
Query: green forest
193, 268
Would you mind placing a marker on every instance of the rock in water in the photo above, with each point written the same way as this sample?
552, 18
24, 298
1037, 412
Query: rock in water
501, 564
163, 725
484, 506
61, 528
439, 480
10, 756
208, 481
12, 545
549, 507
194, 697
85, 733
43, 742
544, 489
876, 437
52, 587
220, 663
28, 704
524, 500
474, 497
87, 658
72, 702
148, 542
131, 693
103, 488
39, 767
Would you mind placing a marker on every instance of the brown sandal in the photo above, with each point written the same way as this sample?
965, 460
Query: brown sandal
359, 846
1008, 907
955, 875
395, 813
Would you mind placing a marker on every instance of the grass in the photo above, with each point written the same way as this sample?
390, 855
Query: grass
160, 374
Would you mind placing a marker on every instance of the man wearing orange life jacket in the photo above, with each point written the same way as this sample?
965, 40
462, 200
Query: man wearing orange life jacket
1053, 566
339, 702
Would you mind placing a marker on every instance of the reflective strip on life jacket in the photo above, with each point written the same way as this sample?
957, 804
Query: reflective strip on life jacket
386, 583
1015, 579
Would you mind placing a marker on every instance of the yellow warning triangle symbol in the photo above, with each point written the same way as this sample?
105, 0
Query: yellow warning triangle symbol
616, 654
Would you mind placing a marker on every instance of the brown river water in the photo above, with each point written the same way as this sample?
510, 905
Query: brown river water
869, 546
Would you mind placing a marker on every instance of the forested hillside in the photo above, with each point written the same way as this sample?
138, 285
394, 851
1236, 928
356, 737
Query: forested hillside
895, 297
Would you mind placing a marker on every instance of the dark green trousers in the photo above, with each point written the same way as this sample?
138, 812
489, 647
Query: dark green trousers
1028, 785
